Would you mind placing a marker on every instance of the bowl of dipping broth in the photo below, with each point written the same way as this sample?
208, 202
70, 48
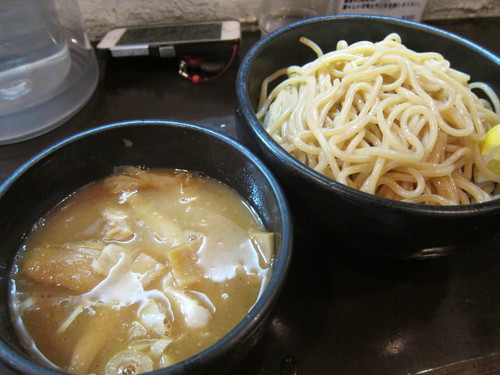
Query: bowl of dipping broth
375, 127
136, 247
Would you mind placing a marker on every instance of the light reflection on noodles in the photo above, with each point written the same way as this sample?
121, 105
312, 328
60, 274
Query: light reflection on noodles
386, 120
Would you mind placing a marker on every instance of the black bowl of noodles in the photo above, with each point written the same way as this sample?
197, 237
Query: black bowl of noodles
369, 119
192, 155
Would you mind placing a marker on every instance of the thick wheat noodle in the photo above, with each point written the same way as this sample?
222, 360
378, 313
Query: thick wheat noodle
386, 120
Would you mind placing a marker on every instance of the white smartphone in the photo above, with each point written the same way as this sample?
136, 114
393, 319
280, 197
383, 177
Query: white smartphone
167, 41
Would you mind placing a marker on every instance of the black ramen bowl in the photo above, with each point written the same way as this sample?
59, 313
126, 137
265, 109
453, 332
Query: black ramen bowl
347, 220
55, 173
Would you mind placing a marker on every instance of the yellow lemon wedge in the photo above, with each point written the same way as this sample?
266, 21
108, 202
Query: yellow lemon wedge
490, 149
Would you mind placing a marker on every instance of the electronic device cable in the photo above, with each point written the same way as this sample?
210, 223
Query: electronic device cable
189, 61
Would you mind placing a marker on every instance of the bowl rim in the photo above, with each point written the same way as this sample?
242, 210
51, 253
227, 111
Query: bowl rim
264, 304
248, 114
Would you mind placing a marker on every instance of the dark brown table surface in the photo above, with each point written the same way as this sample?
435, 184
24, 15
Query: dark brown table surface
337, 316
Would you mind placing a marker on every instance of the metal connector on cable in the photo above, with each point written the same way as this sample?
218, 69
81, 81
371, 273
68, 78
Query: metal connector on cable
188, 62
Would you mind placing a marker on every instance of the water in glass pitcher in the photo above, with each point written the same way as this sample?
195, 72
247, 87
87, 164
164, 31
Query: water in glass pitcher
34, 55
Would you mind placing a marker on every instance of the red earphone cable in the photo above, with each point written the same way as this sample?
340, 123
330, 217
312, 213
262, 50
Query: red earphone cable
196, 78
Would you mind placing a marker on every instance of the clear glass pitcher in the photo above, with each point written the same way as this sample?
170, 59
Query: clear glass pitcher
273, 14
48, 69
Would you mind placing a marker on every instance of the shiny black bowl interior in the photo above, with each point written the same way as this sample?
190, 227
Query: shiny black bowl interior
349, 221
52, 175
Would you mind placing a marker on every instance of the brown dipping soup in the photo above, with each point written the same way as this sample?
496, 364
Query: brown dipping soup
138, 271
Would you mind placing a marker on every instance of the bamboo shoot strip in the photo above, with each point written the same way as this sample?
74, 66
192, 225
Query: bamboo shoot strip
105, 321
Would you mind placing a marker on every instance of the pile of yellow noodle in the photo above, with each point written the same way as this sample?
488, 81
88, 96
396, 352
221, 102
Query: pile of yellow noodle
386, 120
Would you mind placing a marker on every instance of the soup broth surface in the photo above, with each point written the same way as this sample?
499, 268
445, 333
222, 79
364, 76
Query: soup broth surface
138, 271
